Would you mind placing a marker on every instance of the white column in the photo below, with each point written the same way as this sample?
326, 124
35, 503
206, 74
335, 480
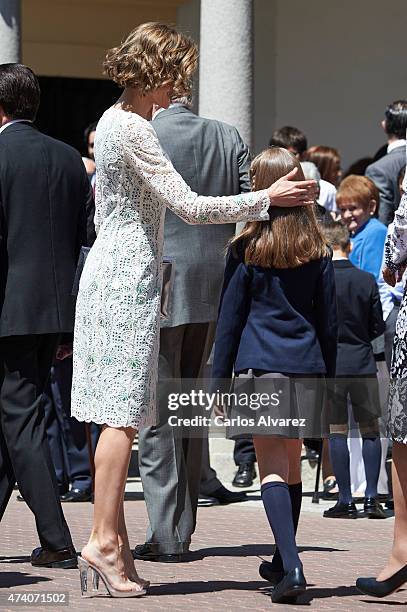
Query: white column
10, 31
226, 66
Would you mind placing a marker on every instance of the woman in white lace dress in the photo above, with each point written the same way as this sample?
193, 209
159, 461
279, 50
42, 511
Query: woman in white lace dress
118, 307
394, 574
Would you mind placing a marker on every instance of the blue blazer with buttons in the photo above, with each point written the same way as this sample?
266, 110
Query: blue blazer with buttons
276, 320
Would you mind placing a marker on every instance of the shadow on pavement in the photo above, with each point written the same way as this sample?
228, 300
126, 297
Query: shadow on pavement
208, 501
13, 579
210, 586
250, 550
15, 559
385, 602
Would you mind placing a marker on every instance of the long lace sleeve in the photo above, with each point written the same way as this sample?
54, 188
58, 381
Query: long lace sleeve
98, 204
396, 243
143, 151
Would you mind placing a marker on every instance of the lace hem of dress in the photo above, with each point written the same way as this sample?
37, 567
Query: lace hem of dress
138, 423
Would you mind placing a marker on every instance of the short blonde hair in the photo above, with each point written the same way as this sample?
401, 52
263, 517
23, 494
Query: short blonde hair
151, 55
360, 189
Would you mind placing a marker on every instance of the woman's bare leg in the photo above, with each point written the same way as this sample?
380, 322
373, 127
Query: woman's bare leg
398, 556
111, 467
125, 551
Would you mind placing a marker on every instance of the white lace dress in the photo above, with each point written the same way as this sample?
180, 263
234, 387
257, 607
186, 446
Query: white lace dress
396, 259
118, 307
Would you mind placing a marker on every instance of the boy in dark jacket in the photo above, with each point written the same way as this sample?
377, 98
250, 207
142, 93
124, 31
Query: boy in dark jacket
360, 320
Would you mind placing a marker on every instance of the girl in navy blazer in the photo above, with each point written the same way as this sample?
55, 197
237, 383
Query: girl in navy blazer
277, 326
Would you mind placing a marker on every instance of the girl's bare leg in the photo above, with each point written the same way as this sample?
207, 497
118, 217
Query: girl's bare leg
279, 459
272, 458
279, 462
294, 460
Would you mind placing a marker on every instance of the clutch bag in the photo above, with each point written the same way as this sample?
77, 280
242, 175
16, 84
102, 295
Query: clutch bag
167, 283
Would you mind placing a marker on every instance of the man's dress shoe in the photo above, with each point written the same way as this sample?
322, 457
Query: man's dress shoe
76, 495
64, 559
144, 552
245, 475
341, 510
290, 587
382, 588
373, 510
224, 496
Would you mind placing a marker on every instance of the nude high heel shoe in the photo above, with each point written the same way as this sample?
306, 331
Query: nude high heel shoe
85, 566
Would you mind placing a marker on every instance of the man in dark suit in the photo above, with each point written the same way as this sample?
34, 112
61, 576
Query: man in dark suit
384, 172
44, 192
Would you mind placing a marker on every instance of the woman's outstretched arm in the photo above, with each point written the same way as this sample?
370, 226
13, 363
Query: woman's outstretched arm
144, 152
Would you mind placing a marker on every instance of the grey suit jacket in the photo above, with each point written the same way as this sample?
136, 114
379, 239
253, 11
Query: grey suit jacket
213, 160
384, 173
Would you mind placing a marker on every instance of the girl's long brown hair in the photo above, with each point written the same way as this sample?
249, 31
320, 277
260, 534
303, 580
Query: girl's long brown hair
292, 236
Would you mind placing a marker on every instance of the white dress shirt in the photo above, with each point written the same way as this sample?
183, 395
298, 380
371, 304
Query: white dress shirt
396, 144
327, 196
3, 127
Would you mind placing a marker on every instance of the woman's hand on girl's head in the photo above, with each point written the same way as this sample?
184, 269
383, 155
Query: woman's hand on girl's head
287, 192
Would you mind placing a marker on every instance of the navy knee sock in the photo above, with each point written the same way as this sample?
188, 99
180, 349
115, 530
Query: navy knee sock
277, 504
295, 491
338, 448
372, 456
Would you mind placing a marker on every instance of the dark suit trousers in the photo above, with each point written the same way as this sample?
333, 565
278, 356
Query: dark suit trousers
25, 362
170, 460
66, 435
244, 451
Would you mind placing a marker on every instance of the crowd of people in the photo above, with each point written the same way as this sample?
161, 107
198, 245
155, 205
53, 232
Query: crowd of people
310, 297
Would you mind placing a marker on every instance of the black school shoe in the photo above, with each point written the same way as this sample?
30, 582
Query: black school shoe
290, 587
372, 587
341, 510
373, 510
267, 572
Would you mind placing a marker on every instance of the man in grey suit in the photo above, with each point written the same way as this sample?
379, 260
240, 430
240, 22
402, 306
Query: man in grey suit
213, 160
384, 172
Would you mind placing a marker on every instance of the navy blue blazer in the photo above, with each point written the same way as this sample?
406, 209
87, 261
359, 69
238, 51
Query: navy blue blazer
277, 320
360, 319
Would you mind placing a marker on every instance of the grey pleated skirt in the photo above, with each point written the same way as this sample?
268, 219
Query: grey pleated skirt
272, 404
